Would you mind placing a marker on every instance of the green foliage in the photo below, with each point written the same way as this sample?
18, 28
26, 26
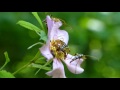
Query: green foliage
43, 36
28, 26
35, 45
41, 60
42, 33
37, 56
6, 57
47, 63
7, 60
38, 19
5, 74
40, 66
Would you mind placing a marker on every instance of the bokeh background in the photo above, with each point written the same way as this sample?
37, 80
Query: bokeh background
90, 33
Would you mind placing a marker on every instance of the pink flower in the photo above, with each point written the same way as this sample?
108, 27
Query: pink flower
54, 33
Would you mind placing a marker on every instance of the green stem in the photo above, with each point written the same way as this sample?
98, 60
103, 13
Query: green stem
3, 66
43, 66
21, 68
31, 61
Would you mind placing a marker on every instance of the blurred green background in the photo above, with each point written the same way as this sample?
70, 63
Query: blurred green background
90, 33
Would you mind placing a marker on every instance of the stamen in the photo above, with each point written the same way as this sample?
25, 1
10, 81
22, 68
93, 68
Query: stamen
59, 49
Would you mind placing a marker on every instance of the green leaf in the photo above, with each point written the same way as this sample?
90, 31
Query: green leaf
7, 60
39, 66
38, 19
47, 63
43, 36
7, 57
5, 74
29, 26
41, 60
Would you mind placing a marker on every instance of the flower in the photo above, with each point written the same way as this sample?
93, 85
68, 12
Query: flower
50, 51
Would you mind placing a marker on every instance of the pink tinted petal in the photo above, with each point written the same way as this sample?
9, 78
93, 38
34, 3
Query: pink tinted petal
74, 66
45, 51
58, 70
62, 35
49, 23
52, 31
52, 27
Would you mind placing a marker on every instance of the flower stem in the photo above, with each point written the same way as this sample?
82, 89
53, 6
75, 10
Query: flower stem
31, 61
21, 68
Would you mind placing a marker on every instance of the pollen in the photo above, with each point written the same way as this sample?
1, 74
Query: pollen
59, 49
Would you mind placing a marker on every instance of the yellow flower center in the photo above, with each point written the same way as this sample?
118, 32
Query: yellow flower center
59, 49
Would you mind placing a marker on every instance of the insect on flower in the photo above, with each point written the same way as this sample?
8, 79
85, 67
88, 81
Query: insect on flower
56, 49
59, 49
77, 58
80, 56
54, 19
57, 20
63, 21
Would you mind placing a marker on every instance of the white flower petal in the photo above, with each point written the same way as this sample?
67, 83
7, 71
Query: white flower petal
54, 32
49, 23
45, 51
62, 35
74, 66
58, 70
52, 27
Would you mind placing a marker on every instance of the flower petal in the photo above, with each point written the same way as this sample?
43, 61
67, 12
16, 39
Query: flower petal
45, 51
74, 66
62, 35
52, 27
54, 32
58, 70
49, 23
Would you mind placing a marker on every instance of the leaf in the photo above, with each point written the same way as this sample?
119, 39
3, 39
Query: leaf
7, 60
7, 57
43, 36
29, 26
41, 60
38, 19
39, 66
47, 63
34, 45
5, 74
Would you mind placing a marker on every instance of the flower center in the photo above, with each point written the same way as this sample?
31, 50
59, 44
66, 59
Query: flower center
59, 49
